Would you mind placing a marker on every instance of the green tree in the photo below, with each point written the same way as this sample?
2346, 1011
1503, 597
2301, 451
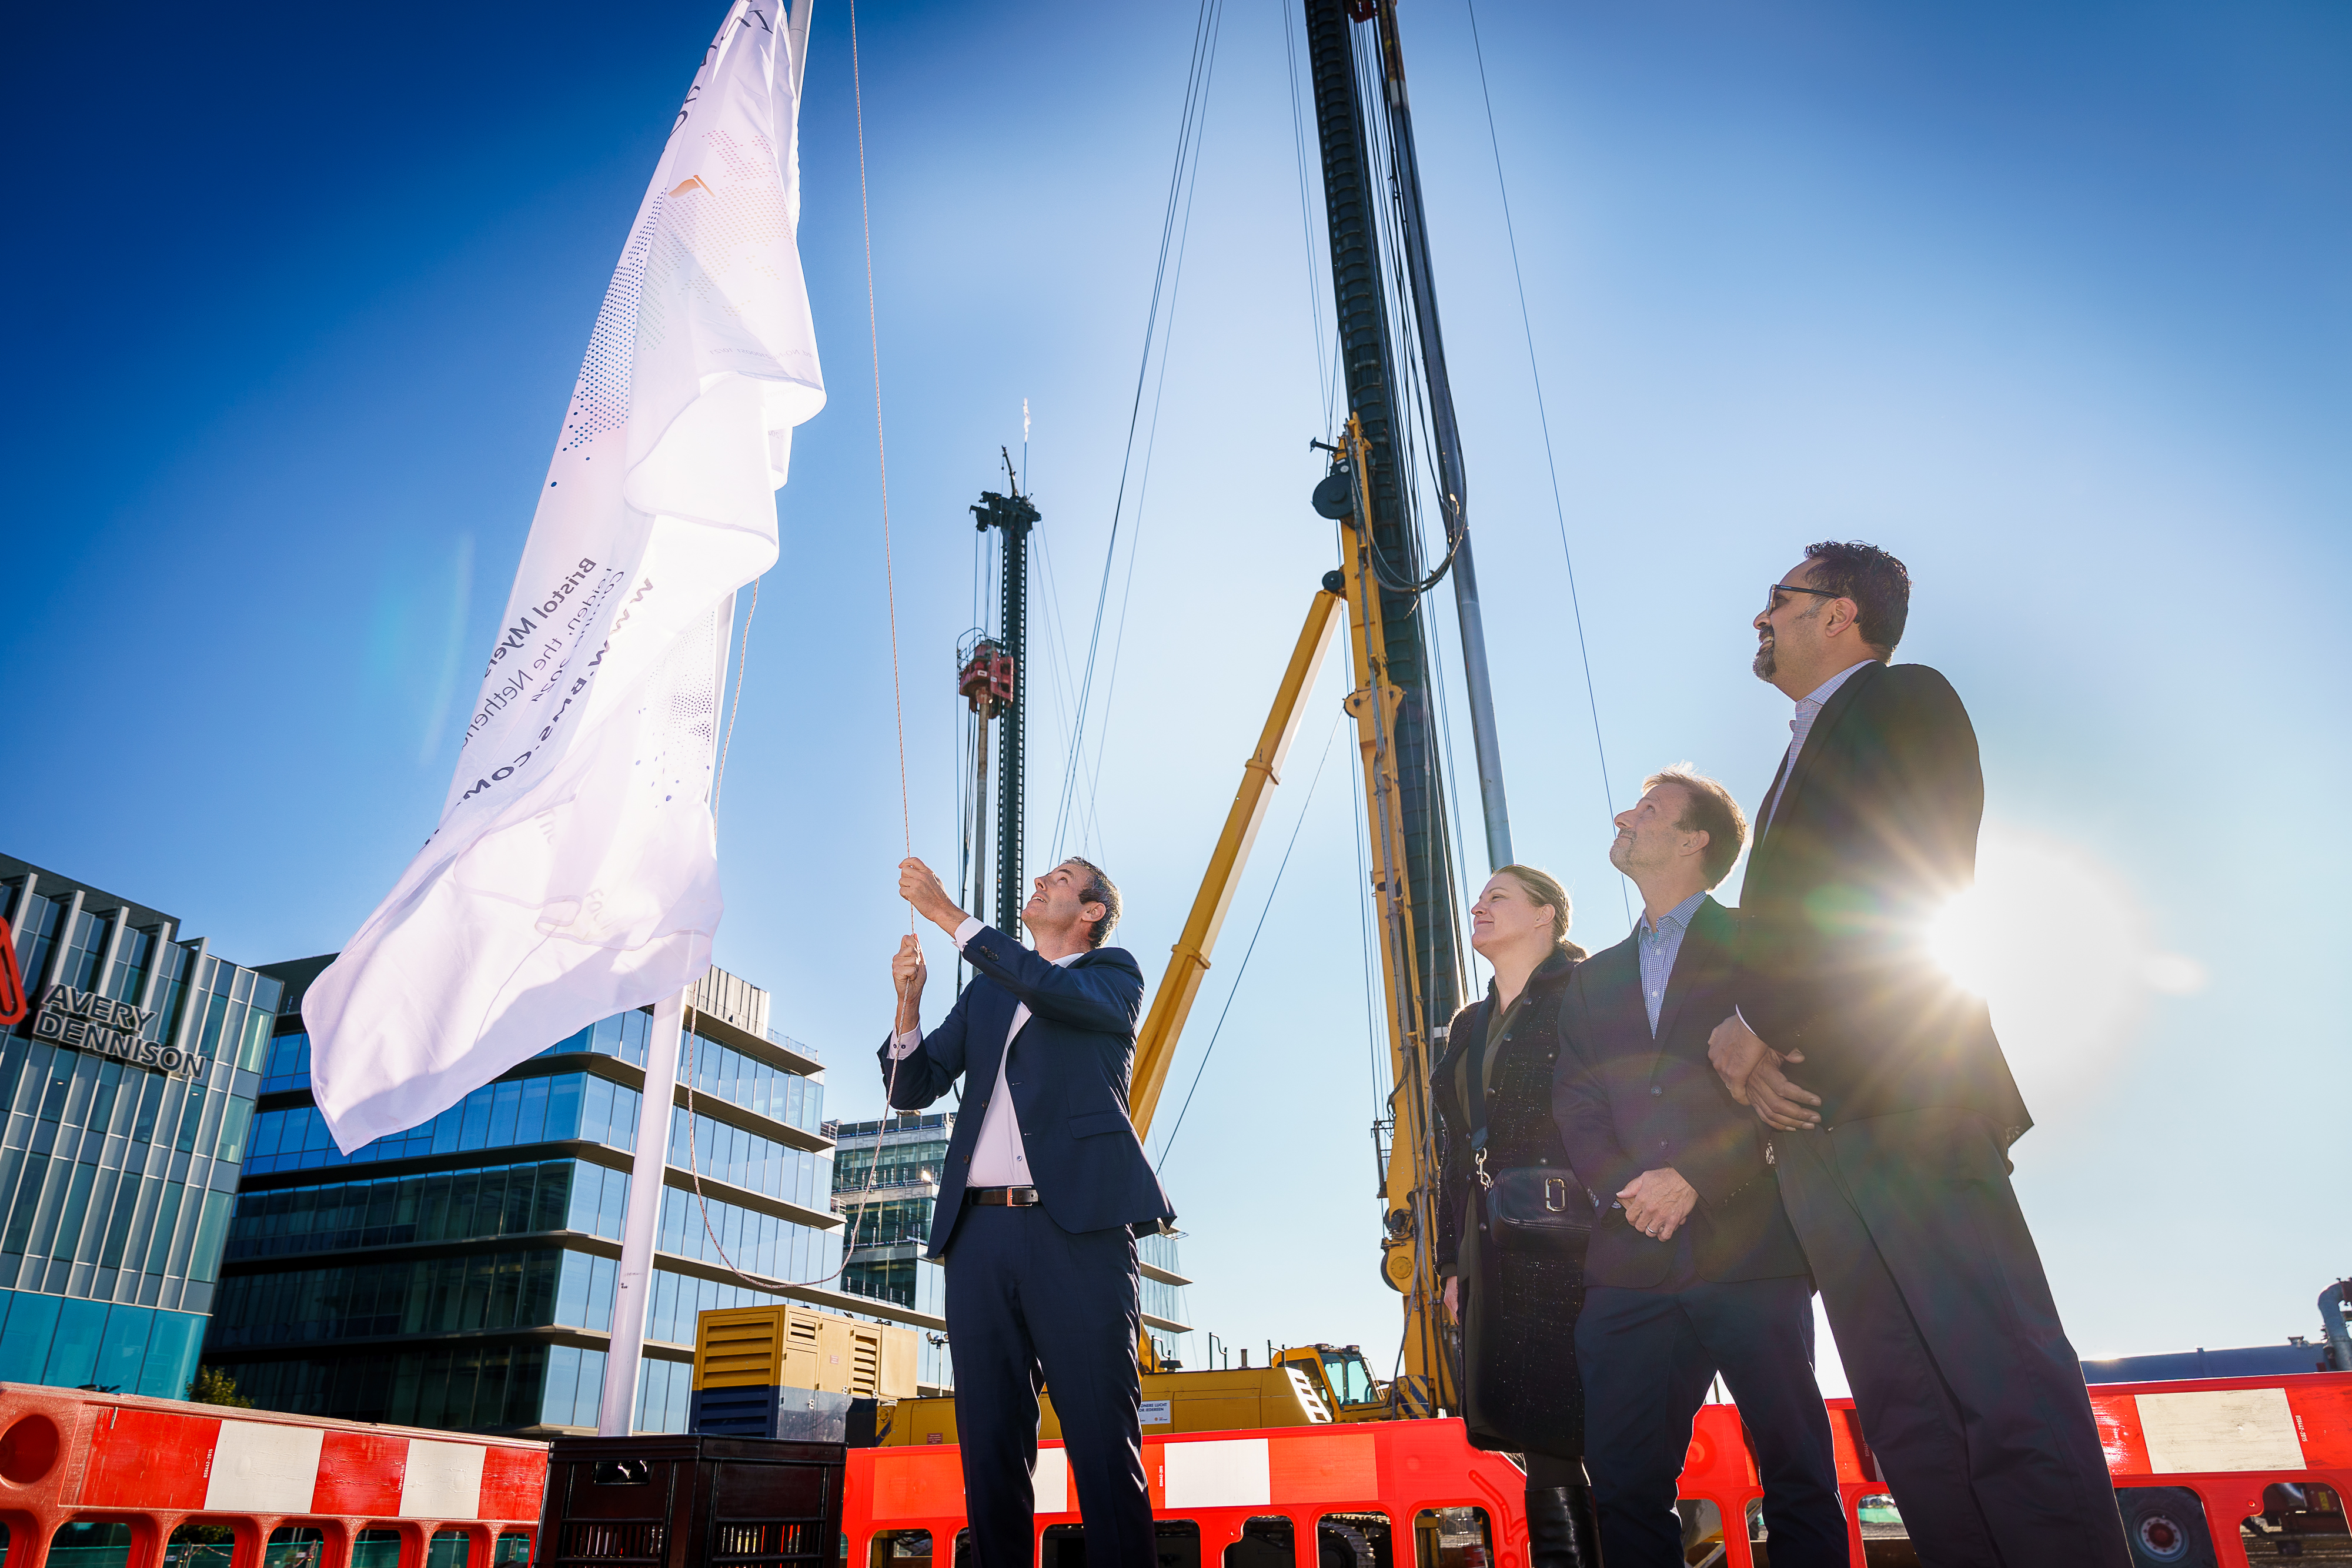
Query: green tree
214, 1386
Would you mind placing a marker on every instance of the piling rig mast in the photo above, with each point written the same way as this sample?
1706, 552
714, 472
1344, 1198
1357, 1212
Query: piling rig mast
994, 679
1392, 356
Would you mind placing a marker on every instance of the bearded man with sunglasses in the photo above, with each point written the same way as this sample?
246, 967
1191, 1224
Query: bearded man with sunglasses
1891, 1105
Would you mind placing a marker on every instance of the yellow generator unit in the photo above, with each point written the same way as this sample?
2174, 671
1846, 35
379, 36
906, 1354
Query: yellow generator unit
792, 1371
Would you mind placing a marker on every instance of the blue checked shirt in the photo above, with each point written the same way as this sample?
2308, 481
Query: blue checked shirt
1658, 944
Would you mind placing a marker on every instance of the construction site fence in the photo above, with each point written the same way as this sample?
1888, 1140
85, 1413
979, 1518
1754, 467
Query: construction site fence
101, 1481
2200, 1469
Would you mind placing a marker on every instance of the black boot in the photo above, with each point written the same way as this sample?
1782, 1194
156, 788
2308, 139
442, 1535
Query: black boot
1563, 1531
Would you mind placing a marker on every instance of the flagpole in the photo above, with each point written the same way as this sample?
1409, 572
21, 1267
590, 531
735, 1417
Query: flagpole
634, 1293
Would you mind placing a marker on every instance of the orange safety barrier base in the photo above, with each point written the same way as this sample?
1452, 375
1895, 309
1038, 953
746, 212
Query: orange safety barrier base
155, 1465
2223, 1440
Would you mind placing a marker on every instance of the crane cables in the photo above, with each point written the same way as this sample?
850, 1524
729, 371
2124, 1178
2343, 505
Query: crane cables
1175, 226
1230, 992
1411, 425
1326, 366
1543, 419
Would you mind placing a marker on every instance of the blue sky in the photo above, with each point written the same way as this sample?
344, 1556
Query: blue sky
2051, 301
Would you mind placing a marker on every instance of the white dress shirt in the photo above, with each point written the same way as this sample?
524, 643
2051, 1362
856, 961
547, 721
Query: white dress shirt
1808, 708
999, 1159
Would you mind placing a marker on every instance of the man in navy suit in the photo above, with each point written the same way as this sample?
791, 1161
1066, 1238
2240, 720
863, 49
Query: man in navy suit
1692, 1269
1045, 1189
1892, 1108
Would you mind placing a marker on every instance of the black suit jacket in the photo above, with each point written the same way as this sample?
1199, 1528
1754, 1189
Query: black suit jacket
1068, 1076
1875, 833
1627, 1103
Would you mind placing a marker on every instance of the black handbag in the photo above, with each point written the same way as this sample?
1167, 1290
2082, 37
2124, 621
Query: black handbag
1539, 1209
1529, 1209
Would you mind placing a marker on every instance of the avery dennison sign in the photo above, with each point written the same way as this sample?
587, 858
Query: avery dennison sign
85, 1020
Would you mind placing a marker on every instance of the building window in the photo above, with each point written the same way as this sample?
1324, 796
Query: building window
575, 1386
622, 1037
441, 1206
36, 934
131, 964
889, 1222
465, 1387
882, 1279
85, 949
710, 1068
583, 1295
664, 1391
893, 1165
287, 1064
567, 1106
425, 1295
730, 1234
171, 991
721, 1151
679, 1299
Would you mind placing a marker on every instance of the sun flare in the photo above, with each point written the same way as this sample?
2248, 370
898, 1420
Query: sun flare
2059, 947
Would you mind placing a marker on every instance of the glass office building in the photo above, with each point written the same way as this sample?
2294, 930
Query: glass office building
886, 1186
130, 1089
461, 1274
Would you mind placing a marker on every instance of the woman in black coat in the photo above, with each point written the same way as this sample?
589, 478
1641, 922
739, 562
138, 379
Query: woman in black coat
1514, 1288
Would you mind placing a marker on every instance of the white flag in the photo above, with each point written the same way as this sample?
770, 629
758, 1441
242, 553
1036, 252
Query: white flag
575, 873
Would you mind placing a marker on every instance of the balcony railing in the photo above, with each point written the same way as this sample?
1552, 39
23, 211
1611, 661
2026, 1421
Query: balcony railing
837, 1131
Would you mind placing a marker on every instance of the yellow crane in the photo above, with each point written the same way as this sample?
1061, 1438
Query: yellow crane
1425, 1382
1317, 1382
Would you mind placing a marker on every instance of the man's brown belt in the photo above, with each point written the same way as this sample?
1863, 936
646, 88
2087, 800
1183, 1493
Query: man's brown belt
1001, 1196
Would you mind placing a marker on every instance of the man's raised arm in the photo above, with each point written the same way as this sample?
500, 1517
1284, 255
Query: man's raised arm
918, 1069
1105, 997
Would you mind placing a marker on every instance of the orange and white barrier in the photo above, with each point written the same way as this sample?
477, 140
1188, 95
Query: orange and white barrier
69, 1458
2223, 1440
1220, 1481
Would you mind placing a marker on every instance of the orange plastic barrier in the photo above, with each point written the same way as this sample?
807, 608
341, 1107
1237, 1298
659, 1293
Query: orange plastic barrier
1219, 1481
153, 1465
2224, 1440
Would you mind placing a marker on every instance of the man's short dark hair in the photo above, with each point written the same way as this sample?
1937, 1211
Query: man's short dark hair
1879, 585
1097, 889
1708, 808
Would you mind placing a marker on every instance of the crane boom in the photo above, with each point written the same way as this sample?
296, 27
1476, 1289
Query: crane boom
1407, 1193
1155, 1046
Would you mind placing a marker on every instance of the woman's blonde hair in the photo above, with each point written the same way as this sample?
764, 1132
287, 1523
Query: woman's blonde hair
1546, 890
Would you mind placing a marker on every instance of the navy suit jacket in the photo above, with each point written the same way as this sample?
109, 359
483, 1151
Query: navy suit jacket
1874, 832
1068, 1077
1627, 1102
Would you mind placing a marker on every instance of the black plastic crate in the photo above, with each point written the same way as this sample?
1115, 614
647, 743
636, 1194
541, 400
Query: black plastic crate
698, 1502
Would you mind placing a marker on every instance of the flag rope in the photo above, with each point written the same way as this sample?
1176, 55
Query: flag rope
898, 714
743, 658
881, 452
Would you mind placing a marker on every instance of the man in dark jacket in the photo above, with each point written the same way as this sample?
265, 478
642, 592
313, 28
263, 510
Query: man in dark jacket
1893, 1107
1692, 1269
1044, 1191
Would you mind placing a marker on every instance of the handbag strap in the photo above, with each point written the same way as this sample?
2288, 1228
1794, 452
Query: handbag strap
1474, 1092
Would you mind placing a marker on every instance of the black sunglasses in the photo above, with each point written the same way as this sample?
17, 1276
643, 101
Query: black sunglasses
1772, 594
